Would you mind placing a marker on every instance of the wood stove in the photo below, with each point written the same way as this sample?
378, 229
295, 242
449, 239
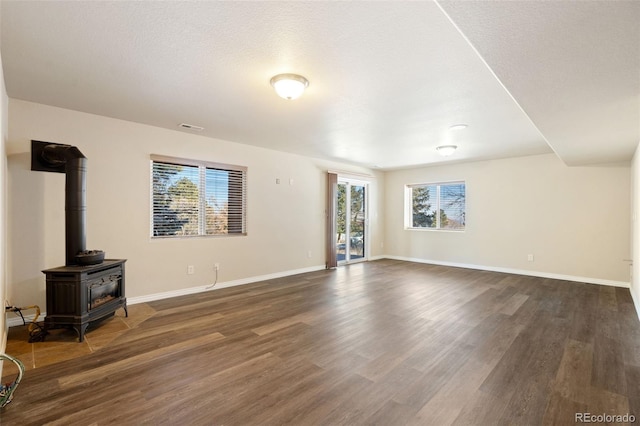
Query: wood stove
88, 288
80, 295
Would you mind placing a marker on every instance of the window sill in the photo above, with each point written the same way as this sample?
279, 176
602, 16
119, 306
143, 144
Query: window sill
194, 237
435, 230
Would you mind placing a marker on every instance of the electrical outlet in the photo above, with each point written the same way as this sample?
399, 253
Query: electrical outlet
530, 258
216, 266
309, 254
191, 270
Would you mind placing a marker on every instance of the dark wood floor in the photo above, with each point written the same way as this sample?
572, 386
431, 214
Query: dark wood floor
384, 342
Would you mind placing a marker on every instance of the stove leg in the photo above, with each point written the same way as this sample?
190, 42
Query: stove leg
80, 330
126, 312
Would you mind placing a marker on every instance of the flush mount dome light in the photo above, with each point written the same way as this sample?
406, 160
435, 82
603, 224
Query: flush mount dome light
446, 150
460, 126
289, 86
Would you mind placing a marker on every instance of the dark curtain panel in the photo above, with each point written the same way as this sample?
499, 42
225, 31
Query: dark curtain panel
332, 199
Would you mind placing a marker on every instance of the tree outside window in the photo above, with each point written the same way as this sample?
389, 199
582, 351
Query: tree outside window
448, 199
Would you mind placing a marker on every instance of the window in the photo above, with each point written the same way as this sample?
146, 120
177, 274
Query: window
436, 206
195, 198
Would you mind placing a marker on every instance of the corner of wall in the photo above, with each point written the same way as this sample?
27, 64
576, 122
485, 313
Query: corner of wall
4, 119
635, 230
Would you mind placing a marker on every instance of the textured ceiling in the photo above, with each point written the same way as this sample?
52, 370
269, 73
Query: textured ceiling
387, 78
574, 67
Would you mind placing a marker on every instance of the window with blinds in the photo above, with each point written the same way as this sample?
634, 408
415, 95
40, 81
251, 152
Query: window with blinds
197, 198
436, 206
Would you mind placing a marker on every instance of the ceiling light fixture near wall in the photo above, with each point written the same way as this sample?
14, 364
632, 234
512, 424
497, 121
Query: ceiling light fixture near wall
446, 150
458, 127
289, 86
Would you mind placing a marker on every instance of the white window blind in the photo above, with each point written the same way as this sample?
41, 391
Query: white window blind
195, 198
436, 206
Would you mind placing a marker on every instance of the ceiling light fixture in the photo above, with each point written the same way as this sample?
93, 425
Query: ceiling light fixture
458, 126
446, 150
289, 86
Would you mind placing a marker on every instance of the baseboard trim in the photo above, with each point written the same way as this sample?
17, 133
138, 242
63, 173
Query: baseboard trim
382, 256
3, 342
635, 302
13, 321
526, 272
233, 283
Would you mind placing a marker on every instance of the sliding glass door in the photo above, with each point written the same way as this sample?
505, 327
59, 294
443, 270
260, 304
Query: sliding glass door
351, 226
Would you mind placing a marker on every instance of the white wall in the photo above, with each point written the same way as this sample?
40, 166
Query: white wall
4, 108
574, 220
285, 221
635, 229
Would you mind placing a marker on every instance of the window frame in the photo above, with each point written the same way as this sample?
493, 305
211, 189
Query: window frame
202, 168
408, 206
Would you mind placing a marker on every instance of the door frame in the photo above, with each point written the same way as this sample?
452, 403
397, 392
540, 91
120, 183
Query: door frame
349, 181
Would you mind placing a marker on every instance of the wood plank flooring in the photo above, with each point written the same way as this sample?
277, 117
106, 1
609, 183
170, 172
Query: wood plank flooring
377, 343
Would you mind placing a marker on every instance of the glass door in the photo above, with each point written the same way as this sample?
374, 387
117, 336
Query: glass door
351, 222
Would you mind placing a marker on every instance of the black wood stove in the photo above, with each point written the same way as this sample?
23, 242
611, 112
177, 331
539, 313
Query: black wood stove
88, 288
80, 295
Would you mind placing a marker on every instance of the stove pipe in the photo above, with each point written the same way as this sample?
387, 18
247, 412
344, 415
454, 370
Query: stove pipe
75, 169
75, 207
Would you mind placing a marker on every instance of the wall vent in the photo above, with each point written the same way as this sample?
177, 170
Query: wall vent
191, 127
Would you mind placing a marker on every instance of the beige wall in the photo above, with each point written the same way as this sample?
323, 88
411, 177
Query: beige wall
574, 220
285, 221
